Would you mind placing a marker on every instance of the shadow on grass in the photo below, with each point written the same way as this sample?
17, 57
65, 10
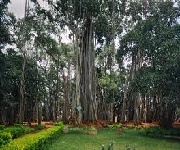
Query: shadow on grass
167, 135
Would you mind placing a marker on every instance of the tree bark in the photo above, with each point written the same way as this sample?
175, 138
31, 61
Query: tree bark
39, 113
78, 86
87, 74
22, 92
124, 105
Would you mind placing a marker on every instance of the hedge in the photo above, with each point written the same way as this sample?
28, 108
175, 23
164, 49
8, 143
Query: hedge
5, 138
2, 127
35, 141
9, 133
17, 131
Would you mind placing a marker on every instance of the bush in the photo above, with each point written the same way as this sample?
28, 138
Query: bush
139, 127
131, 127
116, 126
5, 138
17, 131
39, 127
36, 141
75, 130
90, 130
28, 129
59, 124
119, 126
2, 127
18, 125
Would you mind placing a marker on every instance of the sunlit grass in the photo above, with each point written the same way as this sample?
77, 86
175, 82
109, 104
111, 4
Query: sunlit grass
133, 138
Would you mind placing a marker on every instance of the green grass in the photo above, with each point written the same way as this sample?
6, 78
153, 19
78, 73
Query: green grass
106, 136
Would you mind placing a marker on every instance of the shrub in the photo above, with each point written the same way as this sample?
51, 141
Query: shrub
90, 130
131, 127
39, 127
120, 125
65, 129
28, 129
139, 127
5, 138
75, 130
36, 141
59, 124
18, 125
116, 126
87, 128
2, 127
17, 131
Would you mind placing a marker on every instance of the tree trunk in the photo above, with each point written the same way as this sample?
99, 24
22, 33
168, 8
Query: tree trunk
148, 108
166, 113
47, 112
78, 85
137, 115
22, 81
35, 112
39, 113
144, 113
137, 98
66, 109
124, 105
87, 74
22, 91
53, 110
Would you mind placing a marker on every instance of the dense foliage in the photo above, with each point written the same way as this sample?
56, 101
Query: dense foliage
35, 141
122, 60
9, 133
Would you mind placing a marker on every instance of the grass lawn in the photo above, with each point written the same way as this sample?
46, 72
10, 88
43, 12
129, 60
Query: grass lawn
134, 138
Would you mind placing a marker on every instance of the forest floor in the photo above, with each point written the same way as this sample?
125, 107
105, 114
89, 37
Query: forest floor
105, 124
132, 138
47, 124
176, 124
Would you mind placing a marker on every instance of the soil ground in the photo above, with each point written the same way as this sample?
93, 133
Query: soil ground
102, 123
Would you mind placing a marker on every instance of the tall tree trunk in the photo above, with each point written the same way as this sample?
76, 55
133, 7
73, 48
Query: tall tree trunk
35, 112
22, 81
144, 110
66, 108
54, 110
87, 74
137, 101
137, 94
78, 85
148, 108
124, 105
167, 112
22, 92
57, 100
39, 113
47, 112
